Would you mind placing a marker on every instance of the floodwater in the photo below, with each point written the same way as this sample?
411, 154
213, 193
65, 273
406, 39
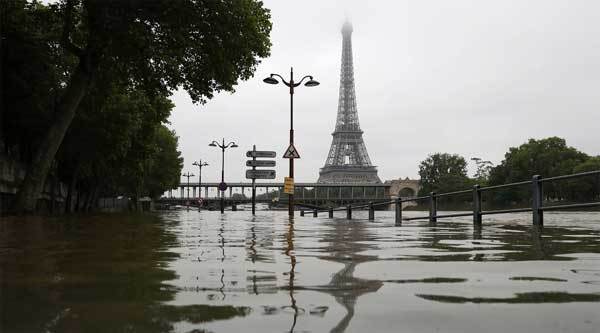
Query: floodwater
189, 271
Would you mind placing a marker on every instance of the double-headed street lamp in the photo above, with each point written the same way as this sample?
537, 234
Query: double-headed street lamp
200, 164
188, 175
222, 185
291, 84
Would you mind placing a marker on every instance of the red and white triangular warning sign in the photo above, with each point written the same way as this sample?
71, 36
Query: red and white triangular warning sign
291, 152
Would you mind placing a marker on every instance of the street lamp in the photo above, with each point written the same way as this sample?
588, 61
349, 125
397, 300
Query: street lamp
291, 84
222, 185
200, 164
188, 175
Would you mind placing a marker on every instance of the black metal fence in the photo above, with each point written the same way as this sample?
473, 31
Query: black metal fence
537, 206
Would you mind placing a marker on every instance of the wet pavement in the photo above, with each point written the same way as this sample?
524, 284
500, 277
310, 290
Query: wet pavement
189, 271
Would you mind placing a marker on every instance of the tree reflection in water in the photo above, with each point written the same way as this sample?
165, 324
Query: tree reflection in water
92, 274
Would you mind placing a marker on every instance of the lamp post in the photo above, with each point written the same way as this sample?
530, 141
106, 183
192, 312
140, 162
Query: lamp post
222, 185
188, 175
200, 164
291, 84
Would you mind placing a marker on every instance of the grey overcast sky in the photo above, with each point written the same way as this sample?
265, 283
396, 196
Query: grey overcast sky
467, 77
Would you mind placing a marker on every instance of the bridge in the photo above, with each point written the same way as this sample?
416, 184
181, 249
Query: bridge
306, 194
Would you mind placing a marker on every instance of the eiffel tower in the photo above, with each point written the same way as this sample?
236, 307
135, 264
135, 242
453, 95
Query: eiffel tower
348, 160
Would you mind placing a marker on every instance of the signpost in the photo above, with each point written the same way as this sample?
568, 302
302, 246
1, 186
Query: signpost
259, 174
259, 153
260, 163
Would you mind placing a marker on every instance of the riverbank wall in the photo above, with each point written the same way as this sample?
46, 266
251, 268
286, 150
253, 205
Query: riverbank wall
51, 200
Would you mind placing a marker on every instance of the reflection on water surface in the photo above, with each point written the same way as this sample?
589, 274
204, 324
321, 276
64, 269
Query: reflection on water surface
189, 271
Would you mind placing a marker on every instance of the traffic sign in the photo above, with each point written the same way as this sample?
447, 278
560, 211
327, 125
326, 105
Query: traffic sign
260, 163
288, 185
291, 152
260, 153
222, 186
260, 174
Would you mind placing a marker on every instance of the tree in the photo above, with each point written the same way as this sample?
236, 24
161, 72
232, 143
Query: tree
443, 173
166, 165
546, 157
32, 71
202, 46
484, 168
116, 146
585, 188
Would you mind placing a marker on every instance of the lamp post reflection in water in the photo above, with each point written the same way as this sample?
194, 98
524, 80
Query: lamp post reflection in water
222, 246
289, 251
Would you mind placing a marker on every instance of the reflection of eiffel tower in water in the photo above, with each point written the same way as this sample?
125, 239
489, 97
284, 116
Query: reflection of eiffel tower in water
348, 160
346, 243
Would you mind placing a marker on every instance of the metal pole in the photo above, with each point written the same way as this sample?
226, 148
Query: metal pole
200, 179
537, 200
398, 207
291, 196
187, 202
476, 206
432, 208
223, 176
254, 181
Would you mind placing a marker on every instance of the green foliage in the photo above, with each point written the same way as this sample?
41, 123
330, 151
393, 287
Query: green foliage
203, 46
164, 167
32, 74
442, 172
484, 168
119, 145
91, 79
546, 157
585, 188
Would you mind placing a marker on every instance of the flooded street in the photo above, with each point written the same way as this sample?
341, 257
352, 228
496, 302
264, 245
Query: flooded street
189, 271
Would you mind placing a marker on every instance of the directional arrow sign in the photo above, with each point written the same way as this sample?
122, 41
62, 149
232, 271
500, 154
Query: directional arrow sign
259, 153
260, 174
260, 163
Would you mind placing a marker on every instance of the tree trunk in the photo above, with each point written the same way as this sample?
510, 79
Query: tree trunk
93, 203
78, 198
53, 187
72, 183
31, 187
86, 202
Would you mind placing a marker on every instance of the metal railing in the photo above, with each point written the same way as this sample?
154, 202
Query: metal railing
537, 207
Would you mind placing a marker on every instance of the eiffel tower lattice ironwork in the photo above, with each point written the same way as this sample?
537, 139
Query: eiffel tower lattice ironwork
348, 160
